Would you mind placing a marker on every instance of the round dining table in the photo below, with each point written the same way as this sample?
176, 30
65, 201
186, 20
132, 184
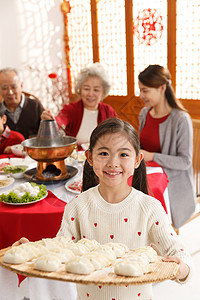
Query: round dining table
43, 219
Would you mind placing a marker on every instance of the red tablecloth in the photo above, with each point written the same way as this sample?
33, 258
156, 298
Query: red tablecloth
33, 221
157, 182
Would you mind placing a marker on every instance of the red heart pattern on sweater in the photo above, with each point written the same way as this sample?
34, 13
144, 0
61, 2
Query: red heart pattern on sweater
88, 295
72, 218
139, 233
95, 224
112, 236
139, 294
157, 223
126, 220
100, 286
73, 238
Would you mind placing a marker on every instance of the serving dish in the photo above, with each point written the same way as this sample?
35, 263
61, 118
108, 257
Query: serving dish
16, 171
18, 150
6, 178
19, 204
74, 185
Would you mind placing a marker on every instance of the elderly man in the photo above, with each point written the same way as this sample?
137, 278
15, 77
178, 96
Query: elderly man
23, 114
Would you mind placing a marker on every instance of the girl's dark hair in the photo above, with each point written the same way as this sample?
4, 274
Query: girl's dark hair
155, 76
114, 125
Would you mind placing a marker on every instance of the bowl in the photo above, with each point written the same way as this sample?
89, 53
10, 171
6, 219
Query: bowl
15, 171
18, 150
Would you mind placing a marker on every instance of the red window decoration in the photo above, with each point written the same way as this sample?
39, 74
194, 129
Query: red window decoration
148, 26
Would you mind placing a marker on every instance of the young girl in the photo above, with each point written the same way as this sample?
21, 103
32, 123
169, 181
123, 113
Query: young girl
112, 211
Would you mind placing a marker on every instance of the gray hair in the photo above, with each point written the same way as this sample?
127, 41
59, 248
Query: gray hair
95, 70
8, 70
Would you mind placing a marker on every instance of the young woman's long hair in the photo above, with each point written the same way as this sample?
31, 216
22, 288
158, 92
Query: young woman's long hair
114, 125
154, 76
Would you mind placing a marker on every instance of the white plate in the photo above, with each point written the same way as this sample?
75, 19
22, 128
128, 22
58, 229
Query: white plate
10, 203
17, 161
70, 182
5, 177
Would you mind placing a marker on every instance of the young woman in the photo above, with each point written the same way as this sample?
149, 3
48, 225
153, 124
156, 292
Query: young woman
81, 117
112, 211
166, 137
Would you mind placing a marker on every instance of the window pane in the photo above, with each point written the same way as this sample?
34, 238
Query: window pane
150, 35
188, 49
80, 36
112, 43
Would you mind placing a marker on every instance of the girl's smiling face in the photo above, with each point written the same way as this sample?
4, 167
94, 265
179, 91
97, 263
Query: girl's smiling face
114, 159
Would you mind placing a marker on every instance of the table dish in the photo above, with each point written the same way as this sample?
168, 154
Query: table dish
18, 150
19, 204
160, 271
16, 171
4, 179
74, 185
3, 165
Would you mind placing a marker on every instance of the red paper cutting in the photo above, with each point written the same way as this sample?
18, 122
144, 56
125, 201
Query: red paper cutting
148, 26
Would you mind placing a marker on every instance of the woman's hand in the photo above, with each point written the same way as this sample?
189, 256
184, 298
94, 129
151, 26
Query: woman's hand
184, 270
148, 156
46, 115
23, 240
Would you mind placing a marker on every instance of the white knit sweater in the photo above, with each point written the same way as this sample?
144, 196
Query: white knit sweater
137, 221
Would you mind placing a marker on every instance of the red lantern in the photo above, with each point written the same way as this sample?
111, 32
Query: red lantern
52, 75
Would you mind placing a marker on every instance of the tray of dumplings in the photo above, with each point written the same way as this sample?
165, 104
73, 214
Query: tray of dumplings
87, 262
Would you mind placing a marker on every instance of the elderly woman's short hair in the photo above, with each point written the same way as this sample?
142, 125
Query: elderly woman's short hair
95, 70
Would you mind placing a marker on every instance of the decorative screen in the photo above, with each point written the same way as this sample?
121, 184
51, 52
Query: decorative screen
150, 35
188, 49
112, 43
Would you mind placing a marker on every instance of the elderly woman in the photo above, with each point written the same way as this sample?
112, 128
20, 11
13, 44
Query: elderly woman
81, 117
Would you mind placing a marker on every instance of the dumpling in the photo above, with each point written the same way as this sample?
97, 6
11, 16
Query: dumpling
63, 241
118, 248
98, 260
106, 250
15, 255
128, 268
48, 263
90, 244
132, 268
79, 265
149, 252
64, 254
78, 249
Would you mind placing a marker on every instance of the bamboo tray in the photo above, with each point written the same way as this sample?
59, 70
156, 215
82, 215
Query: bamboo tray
160, 271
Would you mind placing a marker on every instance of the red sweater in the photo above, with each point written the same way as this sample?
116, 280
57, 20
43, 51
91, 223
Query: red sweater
71, 116
14, 138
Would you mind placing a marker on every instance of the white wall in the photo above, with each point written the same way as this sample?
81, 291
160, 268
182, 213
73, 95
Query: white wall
31, 40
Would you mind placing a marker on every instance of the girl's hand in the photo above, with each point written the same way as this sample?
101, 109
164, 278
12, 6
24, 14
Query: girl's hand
47, 115
184, 270
148, 156
23, 240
